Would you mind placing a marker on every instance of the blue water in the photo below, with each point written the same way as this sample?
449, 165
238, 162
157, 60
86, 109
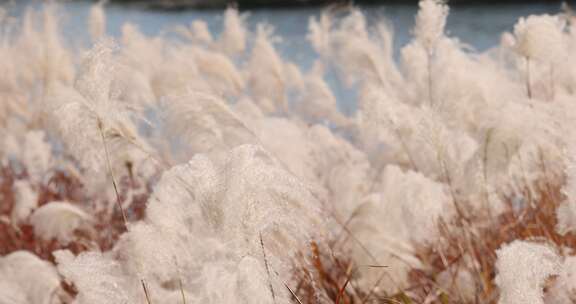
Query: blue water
478, 26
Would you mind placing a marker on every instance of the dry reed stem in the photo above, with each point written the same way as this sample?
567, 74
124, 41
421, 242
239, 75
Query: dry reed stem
469, 247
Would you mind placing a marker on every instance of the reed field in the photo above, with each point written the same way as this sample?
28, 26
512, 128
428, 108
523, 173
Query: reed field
196, 166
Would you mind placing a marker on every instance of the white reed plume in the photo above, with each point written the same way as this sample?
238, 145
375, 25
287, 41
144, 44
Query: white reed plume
429, 29
97, 21
522, 270
539, 38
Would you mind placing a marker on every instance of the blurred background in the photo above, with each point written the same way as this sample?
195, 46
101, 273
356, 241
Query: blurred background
179, 4
477, 24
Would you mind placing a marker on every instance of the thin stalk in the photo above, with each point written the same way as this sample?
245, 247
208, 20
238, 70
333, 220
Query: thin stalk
374, 286
404, 145
526, 182
293, 294
124, 218
267, 270
485, 159
342, 289
528, 80
146, 292
448, 178
109, 166
180, 284
429, 66
289, 289
552, 84
182, 291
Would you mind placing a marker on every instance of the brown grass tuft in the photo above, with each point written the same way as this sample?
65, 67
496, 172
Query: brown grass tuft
467, 244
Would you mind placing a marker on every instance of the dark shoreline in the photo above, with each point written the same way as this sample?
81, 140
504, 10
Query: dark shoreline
177, 5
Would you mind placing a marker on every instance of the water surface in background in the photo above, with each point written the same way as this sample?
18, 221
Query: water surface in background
479, 26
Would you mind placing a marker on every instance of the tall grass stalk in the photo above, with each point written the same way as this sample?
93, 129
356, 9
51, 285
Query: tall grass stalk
117, 194
528, 79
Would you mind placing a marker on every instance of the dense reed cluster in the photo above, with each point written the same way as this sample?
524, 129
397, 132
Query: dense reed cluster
209, 169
